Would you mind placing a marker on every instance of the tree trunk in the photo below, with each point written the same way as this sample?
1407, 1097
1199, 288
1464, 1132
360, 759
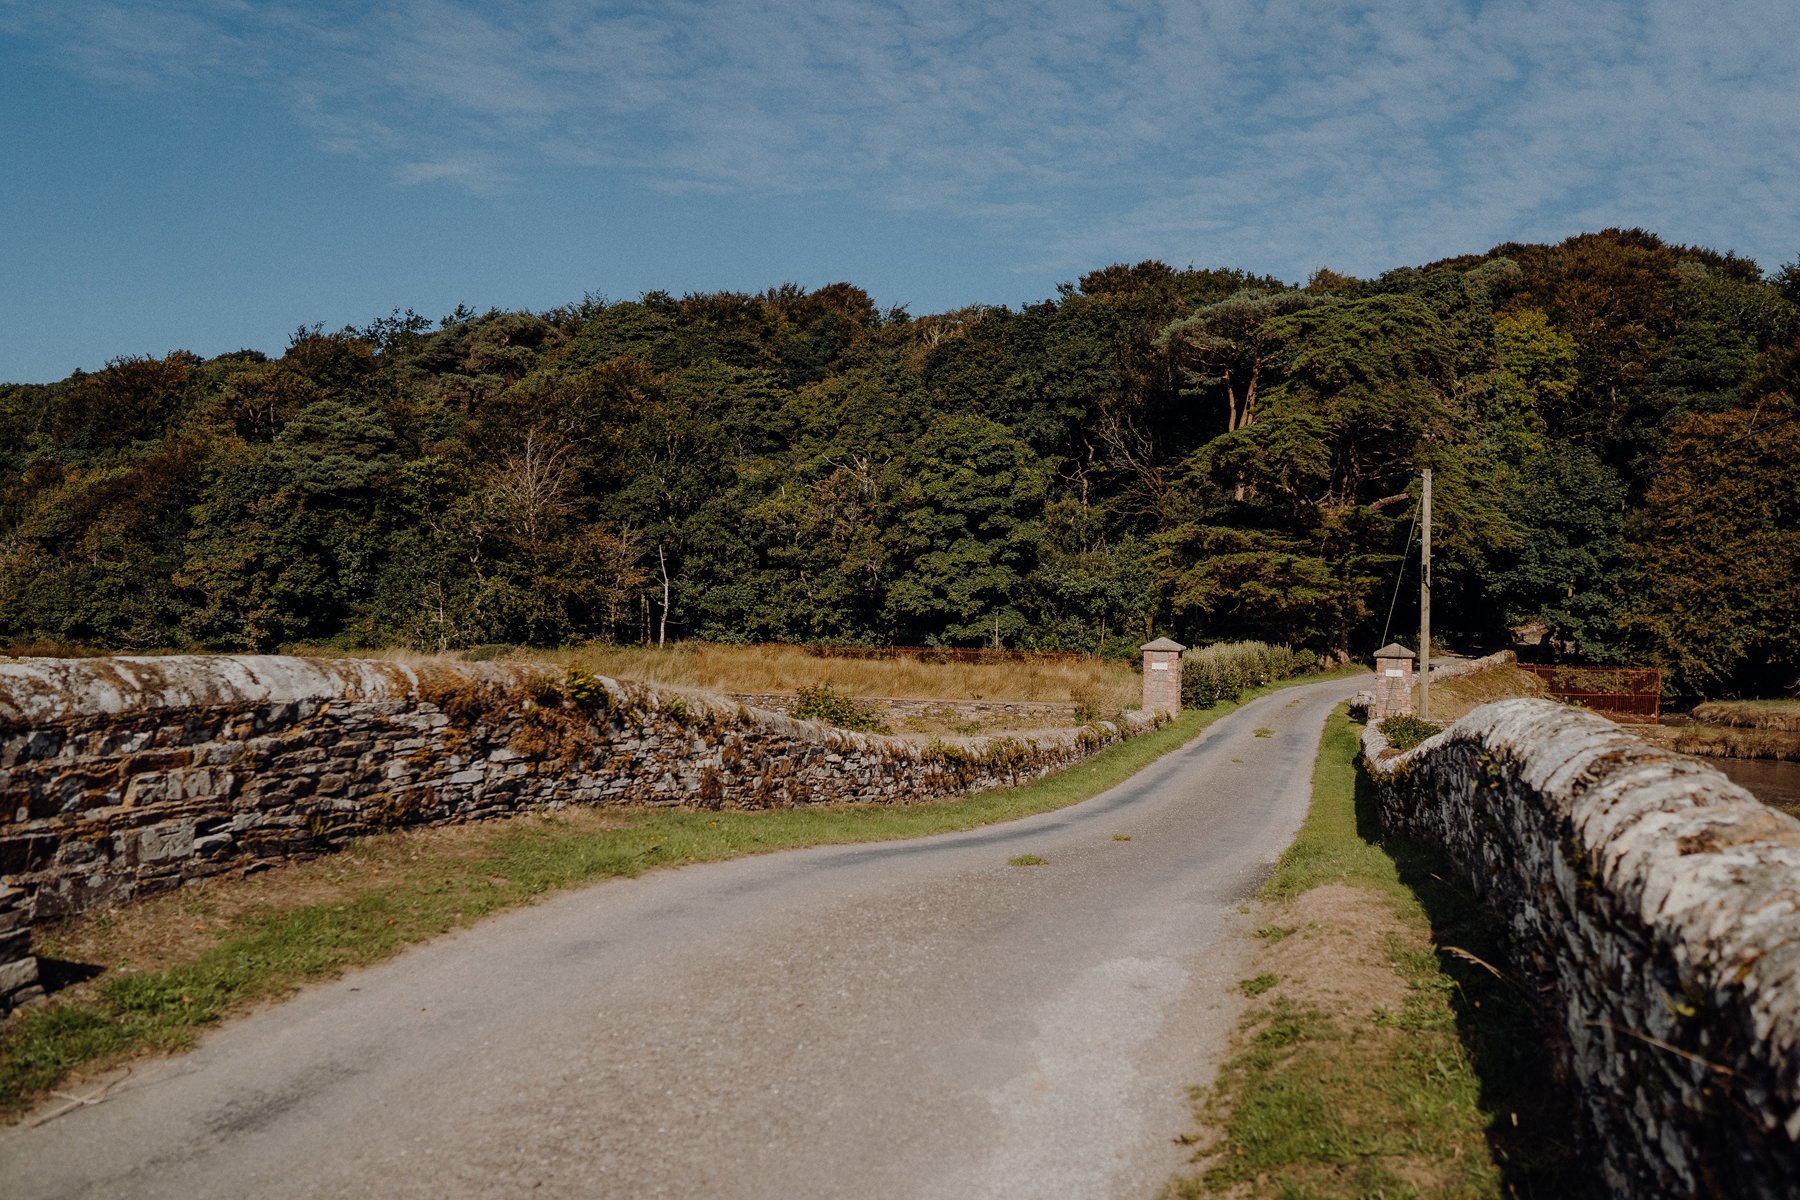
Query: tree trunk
662, 629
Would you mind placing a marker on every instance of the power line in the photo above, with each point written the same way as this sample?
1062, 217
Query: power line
1753, 431
1399, 579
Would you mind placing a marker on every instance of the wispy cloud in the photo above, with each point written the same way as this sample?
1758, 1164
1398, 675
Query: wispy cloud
1250, 131
136, 44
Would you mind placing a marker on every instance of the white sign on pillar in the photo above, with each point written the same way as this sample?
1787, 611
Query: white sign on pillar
1162, 675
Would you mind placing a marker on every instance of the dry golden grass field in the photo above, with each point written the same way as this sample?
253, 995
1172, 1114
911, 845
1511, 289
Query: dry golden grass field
1455, 697
1102, 685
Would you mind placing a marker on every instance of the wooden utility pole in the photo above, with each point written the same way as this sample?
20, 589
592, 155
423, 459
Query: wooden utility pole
1425, 606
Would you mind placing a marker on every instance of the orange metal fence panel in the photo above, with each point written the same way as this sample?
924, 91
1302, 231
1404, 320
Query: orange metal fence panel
1623, 693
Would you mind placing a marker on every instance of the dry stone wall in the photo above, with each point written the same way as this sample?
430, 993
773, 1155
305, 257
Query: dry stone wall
123, 777
898, 708
1656, 908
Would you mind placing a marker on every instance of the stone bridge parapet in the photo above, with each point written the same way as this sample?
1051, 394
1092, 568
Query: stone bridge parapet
1655, 906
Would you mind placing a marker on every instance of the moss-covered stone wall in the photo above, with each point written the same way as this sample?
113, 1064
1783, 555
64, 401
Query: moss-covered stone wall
1653, 910
128, 776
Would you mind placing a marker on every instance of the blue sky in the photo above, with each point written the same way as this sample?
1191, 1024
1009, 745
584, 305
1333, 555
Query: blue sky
209, 174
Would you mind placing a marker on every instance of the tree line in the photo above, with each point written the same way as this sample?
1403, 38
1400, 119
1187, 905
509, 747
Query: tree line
1208, 453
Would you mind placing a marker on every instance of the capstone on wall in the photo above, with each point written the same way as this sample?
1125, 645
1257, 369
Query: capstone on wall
1656, 908
122, 777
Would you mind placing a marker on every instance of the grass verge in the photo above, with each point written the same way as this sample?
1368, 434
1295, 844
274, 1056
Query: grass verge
1751, 714
1725, 741
168, 966
1383, 1056
1454, 697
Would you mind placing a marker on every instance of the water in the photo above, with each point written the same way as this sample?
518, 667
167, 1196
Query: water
1772, 781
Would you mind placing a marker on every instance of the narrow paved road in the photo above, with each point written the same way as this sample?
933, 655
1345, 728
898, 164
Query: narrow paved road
910, 1019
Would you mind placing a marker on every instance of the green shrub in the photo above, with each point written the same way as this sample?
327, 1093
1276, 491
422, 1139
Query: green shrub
825, 703
1220, 673
586, 691
1305, 662
1089, 707
1403, 733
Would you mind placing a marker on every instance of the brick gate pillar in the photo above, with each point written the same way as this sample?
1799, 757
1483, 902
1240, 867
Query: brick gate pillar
1393, 682
1162, 676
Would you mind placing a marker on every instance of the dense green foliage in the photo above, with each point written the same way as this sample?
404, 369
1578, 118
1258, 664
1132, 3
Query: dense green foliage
823, 702
1207, 453
1403, 733
1224, 671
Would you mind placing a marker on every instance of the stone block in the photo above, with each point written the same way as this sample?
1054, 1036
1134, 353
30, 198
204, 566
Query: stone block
124, 741
174, 786
17, 975
64, 895
22, 852
72, 789
213, 844
78, 852
38, 744
156, 884
155, 843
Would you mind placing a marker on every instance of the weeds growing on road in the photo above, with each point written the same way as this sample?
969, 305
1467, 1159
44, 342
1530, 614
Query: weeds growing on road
1258, 985
1383, 1058
1027, 860
176, 963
